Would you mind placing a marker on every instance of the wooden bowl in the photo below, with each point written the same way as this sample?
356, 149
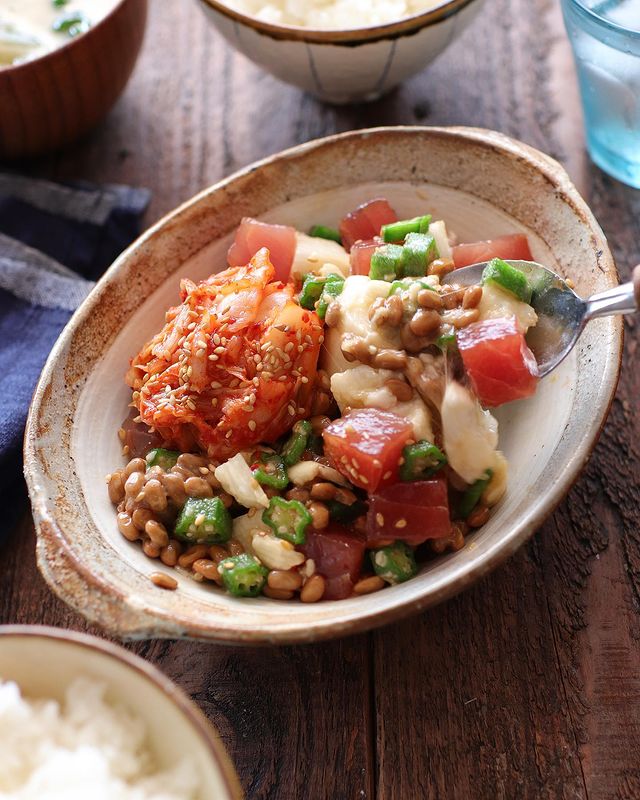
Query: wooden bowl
175, 725
484, 184
345, 66
56, 98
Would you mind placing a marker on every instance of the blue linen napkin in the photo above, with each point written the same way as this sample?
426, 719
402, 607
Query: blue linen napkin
54, 241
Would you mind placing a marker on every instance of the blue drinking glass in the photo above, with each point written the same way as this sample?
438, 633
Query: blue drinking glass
605, 36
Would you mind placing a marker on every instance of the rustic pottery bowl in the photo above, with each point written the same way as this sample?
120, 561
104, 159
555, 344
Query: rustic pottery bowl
345, 66
483, 184
53, 100
175, 725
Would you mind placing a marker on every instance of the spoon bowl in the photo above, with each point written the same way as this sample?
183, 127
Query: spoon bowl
562, 314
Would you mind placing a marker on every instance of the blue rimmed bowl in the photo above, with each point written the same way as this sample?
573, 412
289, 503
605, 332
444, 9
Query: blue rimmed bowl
345, 66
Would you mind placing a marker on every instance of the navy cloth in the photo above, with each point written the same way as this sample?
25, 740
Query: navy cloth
55, 240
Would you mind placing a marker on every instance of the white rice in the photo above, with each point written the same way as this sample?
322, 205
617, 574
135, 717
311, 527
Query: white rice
80, 749
331, 14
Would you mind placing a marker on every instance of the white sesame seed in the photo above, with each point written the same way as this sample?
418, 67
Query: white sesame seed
252, 424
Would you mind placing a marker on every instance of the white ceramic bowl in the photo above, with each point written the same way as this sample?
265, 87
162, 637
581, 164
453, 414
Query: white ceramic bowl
44, 661
484, 184
345, 66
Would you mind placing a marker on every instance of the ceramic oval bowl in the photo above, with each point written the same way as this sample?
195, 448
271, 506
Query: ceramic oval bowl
345, 66
175, 725
52, 100
484, 184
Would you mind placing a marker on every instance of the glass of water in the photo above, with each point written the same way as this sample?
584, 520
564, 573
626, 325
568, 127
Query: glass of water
605, 35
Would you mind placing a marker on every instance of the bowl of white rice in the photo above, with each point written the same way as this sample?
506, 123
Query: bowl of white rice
83, 718
342, 51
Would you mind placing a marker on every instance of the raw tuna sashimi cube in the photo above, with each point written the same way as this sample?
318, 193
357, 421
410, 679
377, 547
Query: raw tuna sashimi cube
515, 246
413, 511
360, 255
252, 235
500, 365
337, 554
365, 221
366, 446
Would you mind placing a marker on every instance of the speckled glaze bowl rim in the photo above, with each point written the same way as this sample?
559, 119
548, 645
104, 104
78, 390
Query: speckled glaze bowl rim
347, 37
163, 622
49, 55
198, 722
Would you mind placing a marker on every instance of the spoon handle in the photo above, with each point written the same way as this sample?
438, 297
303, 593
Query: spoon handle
622, 299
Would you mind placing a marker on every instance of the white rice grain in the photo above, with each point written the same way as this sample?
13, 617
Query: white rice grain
332, 14
83, 748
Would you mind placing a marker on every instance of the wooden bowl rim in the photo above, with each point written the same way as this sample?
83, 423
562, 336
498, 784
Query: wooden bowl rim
204, 728
348, 36
14, 69
68, 576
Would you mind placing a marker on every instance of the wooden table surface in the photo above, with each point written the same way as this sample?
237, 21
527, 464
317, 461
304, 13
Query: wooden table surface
528, 684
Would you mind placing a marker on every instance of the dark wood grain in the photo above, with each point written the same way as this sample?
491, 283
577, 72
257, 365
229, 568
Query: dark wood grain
526, 686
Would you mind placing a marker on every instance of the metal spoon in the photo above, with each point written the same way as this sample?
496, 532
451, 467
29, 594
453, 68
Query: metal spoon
562, 315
